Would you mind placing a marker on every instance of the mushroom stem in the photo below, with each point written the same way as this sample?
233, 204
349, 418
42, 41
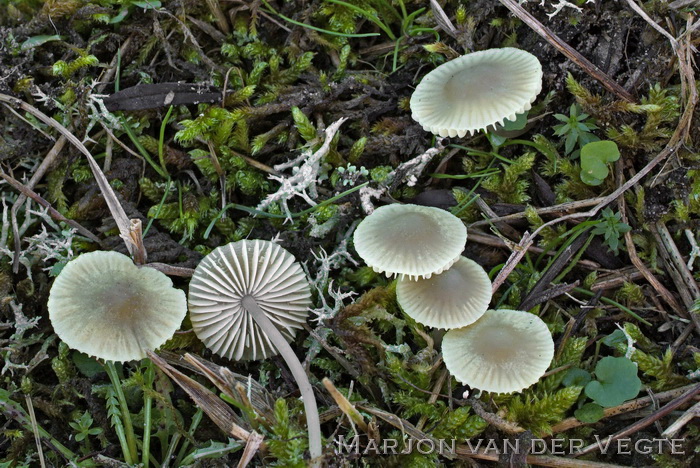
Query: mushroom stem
307, 391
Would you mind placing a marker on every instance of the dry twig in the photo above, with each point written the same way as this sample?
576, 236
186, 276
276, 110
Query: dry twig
680, 135
571, 53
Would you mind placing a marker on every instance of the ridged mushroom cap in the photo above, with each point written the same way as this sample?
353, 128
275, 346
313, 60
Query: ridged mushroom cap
455, 298
105, 306
410, 240
257, 268
477, 90
504, 351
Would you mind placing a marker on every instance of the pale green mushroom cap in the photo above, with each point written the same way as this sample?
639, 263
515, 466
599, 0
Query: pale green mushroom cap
455, 298
103, 305
410, 240
477, 90
257, 268
504, 351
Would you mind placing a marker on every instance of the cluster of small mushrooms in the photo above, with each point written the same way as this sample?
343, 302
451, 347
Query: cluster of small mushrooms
500, 351
247, 299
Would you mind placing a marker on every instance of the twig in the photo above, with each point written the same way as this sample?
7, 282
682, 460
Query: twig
627, 407
506, 426
695, 249
36, 177
639, 425
345, 405
676, 267
676, 141
171, 270
52, 212
35, 430
653, 24
567, 50
494, 241
538, 460
679, 423
558, 264
112, 203
632, 251
112, 69
556, 209
617, 278
465, 452
433, 398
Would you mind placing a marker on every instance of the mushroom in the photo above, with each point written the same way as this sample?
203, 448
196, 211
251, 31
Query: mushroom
504, 351
477, 90
246, 301
455, 298
105, 306
410, 240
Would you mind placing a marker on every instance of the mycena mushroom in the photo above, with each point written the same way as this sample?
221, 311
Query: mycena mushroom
247, 299
504, 351
455, 298
104, 305
477, 90
411, 241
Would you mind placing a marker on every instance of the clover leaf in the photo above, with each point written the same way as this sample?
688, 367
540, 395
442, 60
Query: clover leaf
576, 377
616, 382
595, 157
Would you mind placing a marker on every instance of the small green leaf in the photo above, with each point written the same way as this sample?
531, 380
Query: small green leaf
148, 4
595, 157
616, 382
576, 377
87, 365
120, 16
590, 180
604, 151
616, 337
36, 41
517, 124
57, 268
589, 413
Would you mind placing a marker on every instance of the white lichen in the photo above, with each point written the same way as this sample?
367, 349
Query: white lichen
305, 175
331, 299
406, 173
558, 6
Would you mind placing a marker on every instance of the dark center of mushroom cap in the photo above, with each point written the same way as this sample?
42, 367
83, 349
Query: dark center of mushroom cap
496, 343
413, 229
122, 300
477, 83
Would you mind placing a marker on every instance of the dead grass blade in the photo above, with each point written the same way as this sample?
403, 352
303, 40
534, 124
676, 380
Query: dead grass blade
218, 411
115, 208
29, 193
256, 396
251, 448
345, 405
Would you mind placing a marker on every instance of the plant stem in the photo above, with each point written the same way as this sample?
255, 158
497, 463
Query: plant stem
147, 404
307, 391
196, 419
126, 417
